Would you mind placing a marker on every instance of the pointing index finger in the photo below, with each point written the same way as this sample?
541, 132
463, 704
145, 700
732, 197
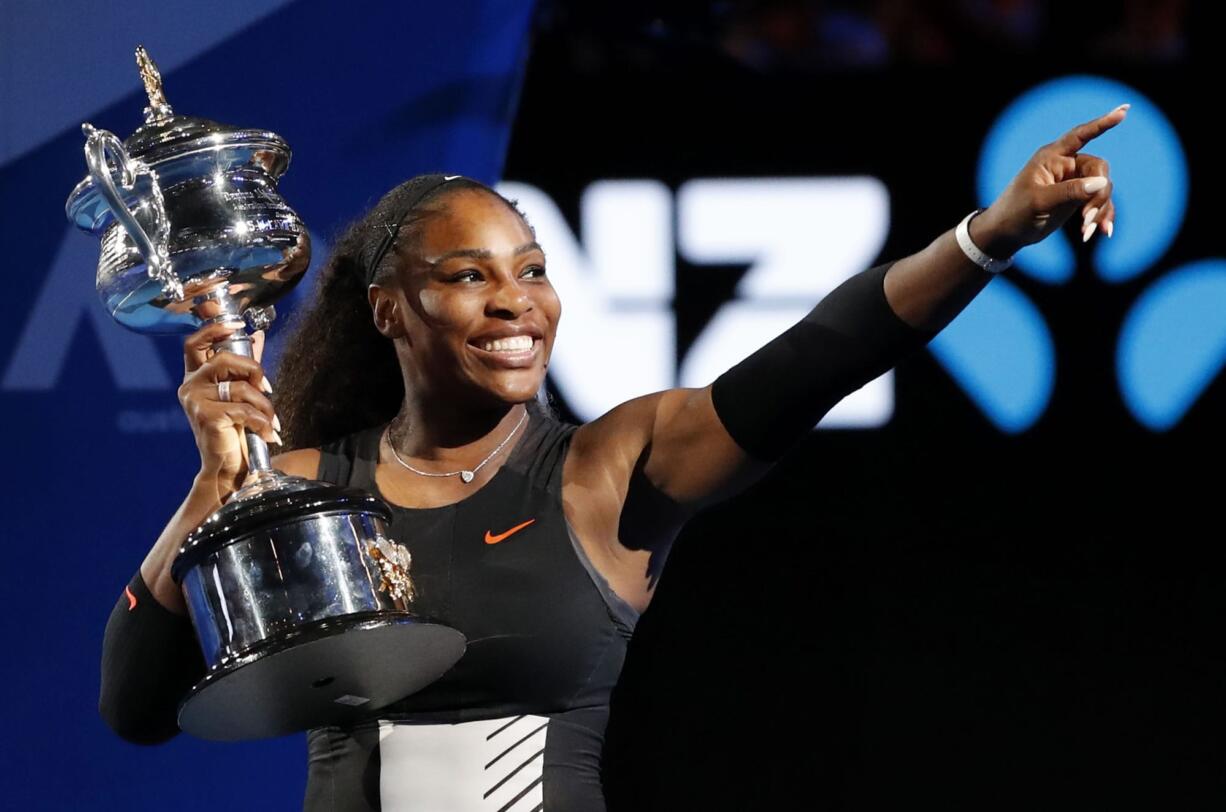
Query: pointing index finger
1076, 139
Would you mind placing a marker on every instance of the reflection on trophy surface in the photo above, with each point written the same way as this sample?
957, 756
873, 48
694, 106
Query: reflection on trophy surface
300, 601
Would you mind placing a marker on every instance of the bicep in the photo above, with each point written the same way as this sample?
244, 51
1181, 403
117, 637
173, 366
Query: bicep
692, 458
674, 443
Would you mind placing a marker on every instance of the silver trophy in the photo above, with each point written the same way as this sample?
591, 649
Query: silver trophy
301, 603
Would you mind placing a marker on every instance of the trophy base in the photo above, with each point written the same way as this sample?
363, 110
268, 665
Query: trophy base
337, 672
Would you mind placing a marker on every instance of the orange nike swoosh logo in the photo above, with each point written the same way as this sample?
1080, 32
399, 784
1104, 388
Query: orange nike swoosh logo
490, 538
131, 598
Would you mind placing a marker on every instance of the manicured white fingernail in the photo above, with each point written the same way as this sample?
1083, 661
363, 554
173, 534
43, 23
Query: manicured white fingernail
276, 422
1122, 107
265, 385
1090, 215
1095, 184
1109, 227
1089, 232
276, 438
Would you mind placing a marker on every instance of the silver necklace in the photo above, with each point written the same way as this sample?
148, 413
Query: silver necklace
465, 475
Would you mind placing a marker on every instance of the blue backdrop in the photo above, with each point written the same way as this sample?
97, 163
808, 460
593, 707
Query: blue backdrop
99, 451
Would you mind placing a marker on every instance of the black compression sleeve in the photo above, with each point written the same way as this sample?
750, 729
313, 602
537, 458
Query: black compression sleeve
150, 658
773, 397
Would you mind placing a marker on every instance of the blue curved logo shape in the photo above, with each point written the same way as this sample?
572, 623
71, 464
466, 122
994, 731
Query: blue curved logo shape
1001, 352
1173, 343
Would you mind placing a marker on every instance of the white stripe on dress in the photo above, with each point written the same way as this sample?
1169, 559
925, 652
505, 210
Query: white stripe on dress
493, 765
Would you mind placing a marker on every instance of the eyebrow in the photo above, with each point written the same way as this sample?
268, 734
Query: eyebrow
484, 253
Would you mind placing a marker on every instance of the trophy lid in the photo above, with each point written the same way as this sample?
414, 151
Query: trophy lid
179, 148
165, 135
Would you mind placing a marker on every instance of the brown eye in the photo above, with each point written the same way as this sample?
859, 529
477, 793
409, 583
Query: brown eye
535, 270
464, 276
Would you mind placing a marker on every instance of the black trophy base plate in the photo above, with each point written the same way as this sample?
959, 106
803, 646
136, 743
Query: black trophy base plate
334, 674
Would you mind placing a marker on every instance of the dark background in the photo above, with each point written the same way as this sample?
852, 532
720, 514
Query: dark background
932, 612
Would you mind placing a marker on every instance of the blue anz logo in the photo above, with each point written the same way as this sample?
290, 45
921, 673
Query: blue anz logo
1173, 341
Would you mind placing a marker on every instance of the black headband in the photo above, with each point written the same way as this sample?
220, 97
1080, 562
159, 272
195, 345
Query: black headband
429, 184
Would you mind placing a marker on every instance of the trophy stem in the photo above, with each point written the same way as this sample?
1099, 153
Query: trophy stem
258, 460
217, 305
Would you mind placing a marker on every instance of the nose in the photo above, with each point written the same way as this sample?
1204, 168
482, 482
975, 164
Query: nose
508, 300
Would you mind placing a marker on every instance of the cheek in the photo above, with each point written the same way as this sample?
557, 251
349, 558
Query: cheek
439, 323
432, 305
442, 312
552, 306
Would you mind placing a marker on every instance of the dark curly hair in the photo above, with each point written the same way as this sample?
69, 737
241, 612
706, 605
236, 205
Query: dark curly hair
337, 373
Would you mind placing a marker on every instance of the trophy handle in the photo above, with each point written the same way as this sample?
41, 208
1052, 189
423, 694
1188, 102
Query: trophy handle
101, 145
155, 250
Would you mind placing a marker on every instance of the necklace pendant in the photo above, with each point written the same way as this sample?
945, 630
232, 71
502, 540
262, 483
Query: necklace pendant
467, 476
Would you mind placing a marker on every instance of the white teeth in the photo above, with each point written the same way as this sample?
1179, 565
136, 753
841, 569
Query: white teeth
513, 344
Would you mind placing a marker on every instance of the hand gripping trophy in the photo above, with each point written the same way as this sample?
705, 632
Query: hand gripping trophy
300, 601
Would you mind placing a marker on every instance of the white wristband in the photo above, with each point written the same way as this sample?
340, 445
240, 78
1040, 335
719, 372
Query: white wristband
989, 264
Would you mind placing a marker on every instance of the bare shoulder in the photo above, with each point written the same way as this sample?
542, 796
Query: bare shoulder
303, 462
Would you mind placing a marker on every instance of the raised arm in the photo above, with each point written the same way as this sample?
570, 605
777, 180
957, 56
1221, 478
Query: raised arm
678, 450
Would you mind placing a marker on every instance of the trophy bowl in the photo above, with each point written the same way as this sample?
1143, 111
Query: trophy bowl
300, 601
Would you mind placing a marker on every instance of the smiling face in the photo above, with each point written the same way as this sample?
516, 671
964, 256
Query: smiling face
470, 309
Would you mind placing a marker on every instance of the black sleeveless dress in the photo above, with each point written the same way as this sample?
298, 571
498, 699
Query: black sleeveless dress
518, 723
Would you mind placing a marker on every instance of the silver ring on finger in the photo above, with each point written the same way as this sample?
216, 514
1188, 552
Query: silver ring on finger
223, 391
